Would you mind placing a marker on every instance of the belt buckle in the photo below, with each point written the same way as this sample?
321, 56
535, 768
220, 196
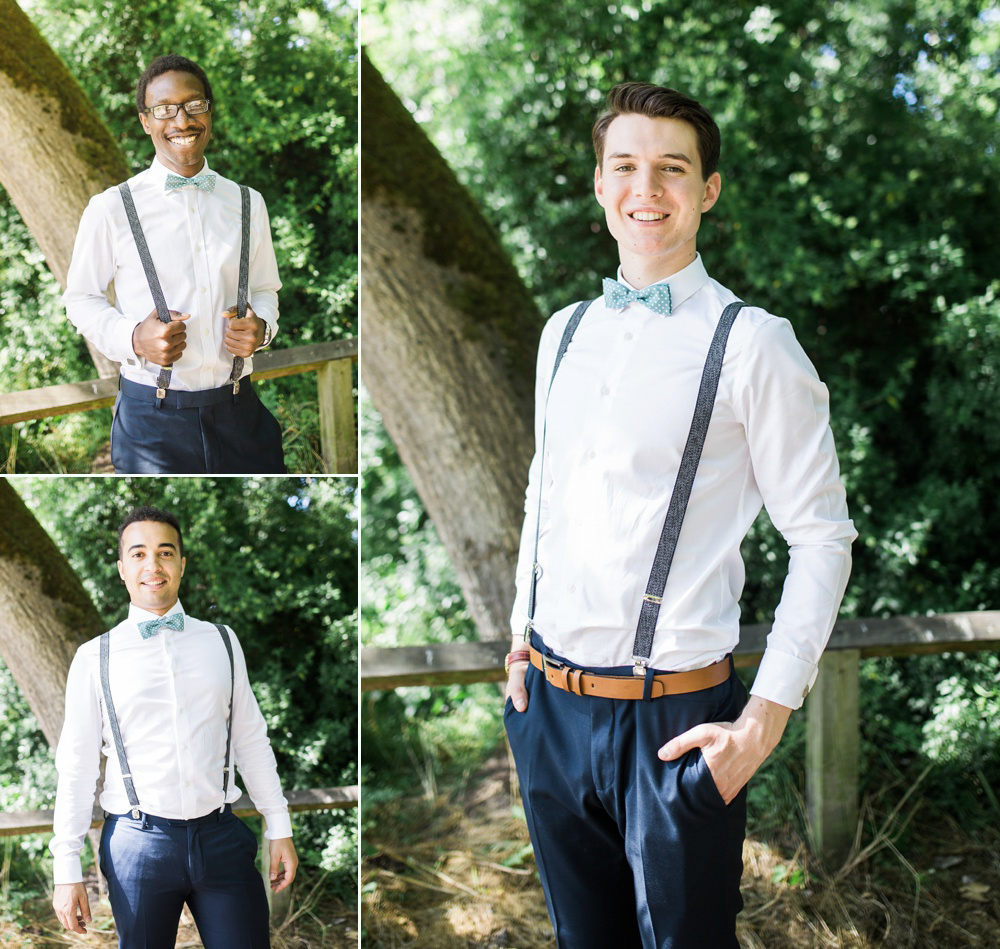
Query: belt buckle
557, 673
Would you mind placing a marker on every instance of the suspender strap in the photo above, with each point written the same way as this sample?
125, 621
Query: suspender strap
162, 313
224, 633
243, 288
574, 322
653, 597
133, 799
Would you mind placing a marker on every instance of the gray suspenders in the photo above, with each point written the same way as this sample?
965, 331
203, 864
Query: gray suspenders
133, 798
653, 597
162, 313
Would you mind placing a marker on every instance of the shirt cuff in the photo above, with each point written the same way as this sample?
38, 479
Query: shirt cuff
784, 678
278, 826
67, 870
122, 338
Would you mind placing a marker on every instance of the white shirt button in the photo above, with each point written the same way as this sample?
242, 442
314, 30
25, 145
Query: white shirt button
628, 337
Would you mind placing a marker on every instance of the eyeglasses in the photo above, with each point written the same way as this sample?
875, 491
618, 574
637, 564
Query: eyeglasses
194, 107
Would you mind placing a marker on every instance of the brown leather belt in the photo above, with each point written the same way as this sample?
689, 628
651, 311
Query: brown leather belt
570, 679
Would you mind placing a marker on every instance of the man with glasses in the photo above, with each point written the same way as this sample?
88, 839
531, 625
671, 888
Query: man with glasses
174, 276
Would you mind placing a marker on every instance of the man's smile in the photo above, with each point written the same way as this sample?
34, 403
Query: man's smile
188, 138
648, 215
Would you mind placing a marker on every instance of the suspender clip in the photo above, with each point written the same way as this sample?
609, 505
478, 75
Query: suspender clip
639, 665
527, 631
236, 388
135, 813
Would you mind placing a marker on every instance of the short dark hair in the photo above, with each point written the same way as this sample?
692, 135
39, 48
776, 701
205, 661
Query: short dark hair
659, 102
170, 63
147, 513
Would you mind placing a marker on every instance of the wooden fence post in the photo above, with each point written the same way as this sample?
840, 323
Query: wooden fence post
832, 754
336, 417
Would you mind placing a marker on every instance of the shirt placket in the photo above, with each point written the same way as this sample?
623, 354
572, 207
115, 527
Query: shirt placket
181, 725
205, 328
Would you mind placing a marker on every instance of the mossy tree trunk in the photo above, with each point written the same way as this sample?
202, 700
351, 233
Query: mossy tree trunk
449, 335
45, 612
57, 152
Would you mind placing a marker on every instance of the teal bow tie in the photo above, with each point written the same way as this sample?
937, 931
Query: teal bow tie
150, 627
206, 182
656, 297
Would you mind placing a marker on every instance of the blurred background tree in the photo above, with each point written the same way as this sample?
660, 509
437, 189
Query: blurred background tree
275, 559
284, 74
860, 177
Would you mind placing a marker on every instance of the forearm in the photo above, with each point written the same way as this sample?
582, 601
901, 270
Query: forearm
811, 597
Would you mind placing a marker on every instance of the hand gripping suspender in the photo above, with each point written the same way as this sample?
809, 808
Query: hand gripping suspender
133, 798
162, 313
653, 597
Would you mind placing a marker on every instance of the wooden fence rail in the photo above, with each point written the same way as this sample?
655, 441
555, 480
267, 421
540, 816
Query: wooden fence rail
832, 731
330, 361
17, 823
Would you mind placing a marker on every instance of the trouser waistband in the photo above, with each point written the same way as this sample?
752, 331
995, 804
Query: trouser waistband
570, 678
154, 821
179, 399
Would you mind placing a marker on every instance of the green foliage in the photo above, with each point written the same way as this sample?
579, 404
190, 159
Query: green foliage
860, 181
275, 559
284, 78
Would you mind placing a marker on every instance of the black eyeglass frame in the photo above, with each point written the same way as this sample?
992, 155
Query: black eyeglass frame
177, 107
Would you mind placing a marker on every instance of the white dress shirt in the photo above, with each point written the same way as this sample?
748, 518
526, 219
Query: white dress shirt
171, 696
194, 240
618, 418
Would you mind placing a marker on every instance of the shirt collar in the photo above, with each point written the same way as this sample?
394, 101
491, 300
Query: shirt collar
158, 171
138, 615
683, 285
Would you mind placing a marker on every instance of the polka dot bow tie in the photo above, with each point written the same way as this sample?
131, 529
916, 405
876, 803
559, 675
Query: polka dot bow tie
656, 297
151, 627
206, 182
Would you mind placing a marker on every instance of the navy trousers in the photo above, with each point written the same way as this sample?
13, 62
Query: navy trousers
632, 851
209, 432
154, 865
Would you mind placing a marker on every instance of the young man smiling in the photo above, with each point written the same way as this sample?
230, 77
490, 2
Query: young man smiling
166, 698
189, 257
667, 414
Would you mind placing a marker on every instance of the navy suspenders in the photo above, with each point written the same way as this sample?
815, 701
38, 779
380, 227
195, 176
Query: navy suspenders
133, 798
653, 597
162, 313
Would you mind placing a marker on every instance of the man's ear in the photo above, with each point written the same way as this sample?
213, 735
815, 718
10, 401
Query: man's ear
713, 188
183, 565
598, 186
121, 571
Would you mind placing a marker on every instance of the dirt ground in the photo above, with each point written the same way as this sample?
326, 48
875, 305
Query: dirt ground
316, 920
442, 874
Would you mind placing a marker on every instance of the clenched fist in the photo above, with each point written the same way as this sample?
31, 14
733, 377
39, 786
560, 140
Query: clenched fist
243, 336
160, 343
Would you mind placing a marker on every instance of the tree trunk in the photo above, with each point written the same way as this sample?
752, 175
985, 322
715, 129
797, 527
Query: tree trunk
449, 335
57, 153
45, 612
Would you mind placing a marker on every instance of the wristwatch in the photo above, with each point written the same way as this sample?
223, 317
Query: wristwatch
518, 655
267, 334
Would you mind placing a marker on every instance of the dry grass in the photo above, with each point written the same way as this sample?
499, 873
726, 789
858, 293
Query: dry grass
315, 920
446, 874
